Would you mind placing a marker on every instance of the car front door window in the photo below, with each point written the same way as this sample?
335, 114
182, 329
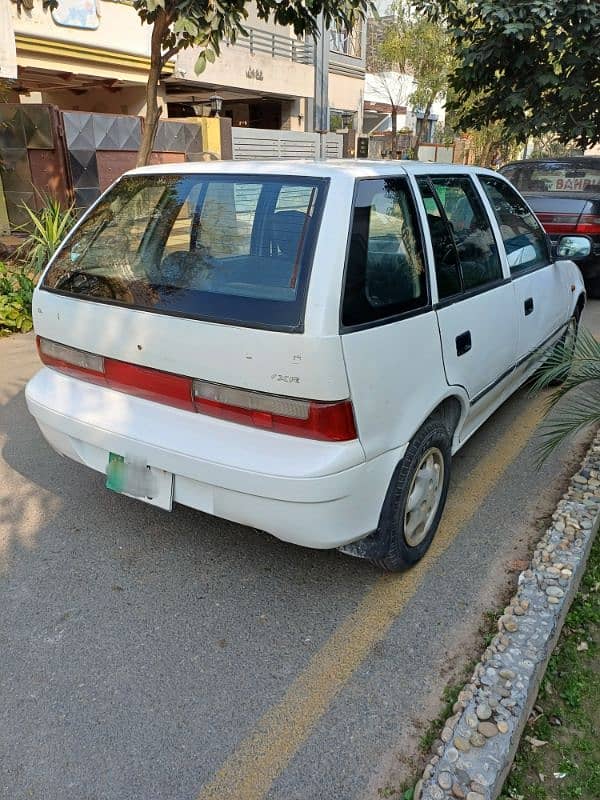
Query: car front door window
524, 240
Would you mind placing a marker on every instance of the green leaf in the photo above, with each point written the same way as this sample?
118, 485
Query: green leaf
200, 65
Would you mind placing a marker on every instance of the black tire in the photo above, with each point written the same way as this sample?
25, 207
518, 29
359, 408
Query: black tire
563, 339
593, 287
394, 551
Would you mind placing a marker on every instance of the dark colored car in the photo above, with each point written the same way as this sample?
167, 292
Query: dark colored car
565, 195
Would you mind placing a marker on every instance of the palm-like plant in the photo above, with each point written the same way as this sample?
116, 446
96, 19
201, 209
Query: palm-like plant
47, 228
574, 367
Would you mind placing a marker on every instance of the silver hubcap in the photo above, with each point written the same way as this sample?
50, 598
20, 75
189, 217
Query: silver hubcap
424, 497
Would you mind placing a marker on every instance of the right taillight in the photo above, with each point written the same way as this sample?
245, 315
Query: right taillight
332, 422
589, 224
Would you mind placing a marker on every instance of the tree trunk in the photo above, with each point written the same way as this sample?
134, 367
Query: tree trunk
394, 132
161, 24
420, 126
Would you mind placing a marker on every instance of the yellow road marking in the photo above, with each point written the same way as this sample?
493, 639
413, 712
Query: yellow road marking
251, 769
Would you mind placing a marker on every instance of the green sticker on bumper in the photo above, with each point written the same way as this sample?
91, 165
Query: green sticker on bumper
115, 472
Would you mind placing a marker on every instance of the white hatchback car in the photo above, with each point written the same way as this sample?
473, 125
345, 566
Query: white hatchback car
299, 347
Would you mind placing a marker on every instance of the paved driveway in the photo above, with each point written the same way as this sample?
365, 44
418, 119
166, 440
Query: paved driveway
147, 655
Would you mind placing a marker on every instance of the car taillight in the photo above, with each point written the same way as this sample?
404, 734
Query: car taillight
557, 222
589, 223
314, 419
72, 361
310, 418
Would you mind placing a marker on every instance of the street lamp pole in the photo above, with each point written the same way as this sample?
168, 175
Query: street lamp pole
321, 104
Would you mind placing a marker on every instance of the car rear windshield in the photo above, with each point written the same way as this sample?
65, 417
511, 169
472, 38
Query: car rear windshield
554, 176
233, 249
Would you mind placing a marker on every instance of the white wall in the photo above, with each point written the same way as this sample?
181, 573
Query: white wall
119, 28
378, 88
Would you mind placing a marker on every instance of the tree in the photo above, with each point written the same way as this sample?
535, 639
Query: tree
421, 47
486, 145
533, 66
179, 24
395, 87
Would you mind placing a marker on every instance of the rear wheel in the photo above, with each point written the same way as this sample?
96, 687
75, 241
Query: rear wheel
415, 499
593, 287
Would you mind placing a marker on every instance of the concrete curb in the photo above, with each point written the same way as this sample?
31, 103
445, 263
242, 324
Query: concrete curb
478, 744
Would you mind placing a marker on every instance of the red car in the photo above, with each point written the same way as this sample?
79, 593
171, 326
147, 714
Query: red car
565, 195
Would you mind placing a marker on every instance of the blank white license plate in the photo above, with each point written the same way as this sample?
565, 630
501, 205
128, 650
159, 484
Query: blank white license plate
136, 479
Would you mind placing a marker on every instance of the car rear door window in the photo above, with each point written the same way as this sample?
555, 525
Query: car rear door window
524, 240
445, 254
471, 230
228, 248
385, 273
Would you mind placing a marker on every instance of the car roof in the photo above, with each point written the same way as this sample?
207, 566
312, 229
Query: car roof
304, 168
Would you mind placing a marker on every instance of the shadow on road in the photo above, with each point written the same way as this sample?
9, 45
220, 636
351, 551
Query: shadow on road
138, 642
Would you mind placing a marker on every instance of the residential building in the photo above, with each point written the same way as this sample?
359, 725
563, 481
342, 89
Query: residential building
93, 55
266, 79
86, 55
389, 92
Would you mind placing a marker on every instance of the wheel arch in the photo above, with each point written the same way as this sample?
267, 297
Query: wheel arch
453, 409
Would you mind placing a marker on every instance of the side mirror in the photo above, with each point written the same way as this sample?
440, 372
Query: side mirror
573, 247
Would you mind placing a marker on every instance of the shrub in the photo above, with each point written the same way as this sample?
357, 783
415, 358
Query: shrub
16, 291
46, 228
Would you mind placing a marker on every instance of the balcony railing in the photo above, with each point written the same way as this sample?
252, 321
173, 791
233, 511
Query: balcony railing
276, 45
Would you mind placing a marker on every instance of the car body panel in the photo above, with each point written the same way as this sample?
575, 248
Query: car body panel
270, 361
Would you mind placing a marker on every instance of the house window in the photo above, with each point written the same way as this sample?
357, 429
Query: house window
347, 43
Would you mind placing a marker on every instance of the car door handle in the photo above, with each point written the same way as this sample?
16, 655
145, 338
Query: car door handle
528, 305
463, 343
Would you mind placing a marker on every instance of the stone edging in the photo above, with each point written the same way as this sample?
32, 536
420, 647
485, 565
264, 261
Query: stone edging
479, 742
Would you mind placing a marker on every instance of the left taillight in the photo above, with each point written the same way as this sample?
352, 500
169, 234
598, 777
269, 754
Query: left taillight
72, 361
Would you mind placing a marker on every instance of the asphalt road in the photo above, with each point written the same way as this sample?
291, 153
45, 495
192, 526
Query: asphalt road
154, 656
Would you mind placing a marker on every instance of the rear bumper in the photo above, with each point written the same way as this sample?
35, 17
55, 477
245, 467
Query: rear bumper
316, 494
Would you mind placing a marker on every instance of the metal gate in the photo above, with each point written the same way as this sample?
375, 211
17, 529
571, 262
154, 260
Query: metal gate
74, 155
269, 145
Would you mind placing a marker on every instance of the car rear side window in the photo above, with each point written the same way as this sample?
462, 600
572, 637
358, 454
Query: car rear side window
524, 240
227, 248
385, 273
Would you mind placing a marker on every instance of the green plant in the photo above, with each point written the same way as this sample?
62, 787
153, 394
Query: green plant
416, 46
533, 66
577, 368
16, 292
47, 228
